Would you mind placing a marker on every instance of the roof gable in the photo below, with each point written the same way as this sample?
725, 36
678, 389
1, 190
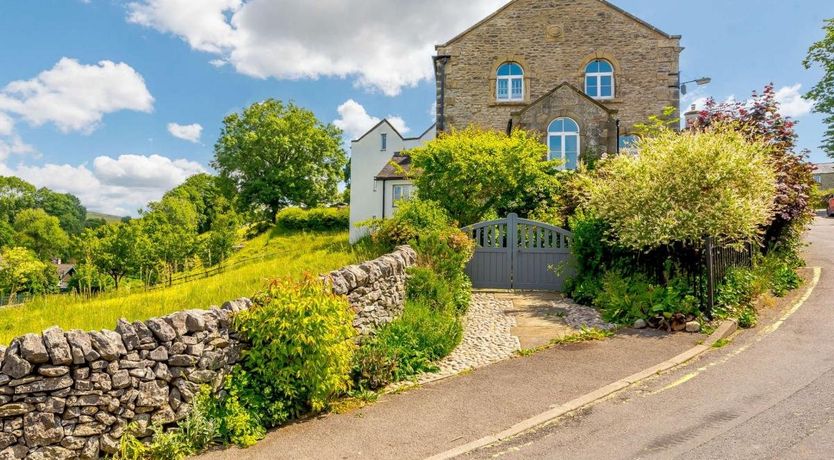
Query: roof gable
603, 2
567, 86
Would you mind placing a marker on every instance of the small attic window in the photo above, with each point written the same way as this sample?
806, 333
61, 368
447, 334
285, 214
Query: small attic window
383, 141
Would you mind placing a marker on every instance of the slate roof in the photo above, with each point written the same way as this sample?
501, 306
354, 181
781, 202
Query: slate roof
824, 168
397, 168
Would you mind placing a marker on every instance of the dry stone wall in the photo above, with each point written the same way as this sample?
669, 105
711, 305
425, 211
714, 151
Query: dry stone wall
72, 394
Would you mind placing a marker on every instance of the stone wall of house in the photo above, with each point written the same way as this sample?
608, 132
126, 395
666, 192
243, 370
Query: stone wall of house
375, 289
71, 394
554, 40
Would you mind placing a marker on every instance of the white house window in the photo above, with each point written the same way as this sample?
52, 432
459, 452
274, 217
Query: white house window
383, 140
599, 79
510, 82
401, 192
563, 141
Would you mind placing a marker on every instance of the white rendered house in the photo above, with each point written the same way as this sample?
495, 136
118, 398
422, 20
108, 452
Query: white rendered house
378, 173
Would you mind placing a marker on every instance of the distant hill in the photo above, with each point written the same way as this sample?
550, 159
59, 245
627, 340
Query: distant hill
109, 218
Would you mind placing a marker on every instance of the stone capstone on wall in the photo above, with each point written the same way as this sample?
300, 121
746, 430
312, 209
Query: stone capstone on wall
375, 289
72, 394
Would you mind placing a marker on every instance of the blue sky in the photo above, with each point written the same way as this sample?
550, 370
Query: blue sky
72, 122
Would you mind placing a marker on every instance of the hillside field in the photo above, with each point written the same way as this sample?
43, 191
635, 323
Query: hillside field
275, 254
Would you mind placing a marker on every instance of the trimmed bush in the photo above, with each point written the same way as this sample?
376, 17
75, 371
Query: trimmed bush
318, 219
412, 219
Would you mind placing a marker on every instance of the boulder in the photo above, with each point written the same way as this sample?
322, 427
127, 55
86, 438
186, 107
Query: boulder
108, 344
32, 349
13, 364
162, 330
90, 450
128, 333
693, 326
57, 346
42, 429
43, 385
81, 347
13, 409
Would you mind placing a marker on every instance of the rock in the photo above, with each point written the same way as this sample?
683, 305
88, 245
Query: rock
32, 349
108, 344
145, 335
152, 394
47, 384
120, 379
51, 453
13, 364
53, 371
162, 330
6, 440
81, 347
159, 354
55, 405
640, 324
128, 333
109, 445
194, 321
41, 429
182, 361
90, 450
202, 376
57, 346
693, 326
88, 429
177, 322
12, 409
237, 305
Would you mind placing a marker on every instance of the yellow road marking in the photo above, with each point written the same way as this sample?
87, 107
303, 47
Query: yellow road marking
759, 336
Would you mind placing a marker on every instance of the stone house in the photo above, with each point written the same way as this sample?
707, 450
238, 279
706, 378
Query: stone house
581, 73
824, 175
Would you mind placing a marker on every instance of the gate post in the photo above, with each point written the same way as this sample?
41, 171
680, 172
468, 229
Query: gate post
512, 243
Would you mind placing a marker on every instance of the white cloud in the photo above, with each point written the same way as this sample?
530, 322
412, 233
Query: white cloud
791, 102
218, 62
75, 96
355, 121
6, 125
384, 44
190, 133
114, 185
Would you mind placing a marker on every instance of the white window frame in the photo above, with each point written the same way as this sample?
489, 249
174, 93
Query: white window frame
509, 79
597, 76
405, 192
383, 141
563, 135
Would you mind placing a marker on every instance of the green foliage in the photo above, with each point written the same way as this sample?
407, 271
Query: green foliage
821, 197
821, 54
40, 232
15, 196
171, 227
748, 317
685, 186
22, 271
6, 233
585, 334
474, 173
204, 192
219, 242
411, 220
120, 249
407, 346
625, 298
318, 219
301, 349
275, 155
66, 207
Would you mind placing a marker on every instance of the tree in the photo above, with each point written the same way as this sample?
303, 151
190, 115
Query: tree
684, 187
171, 227
6, 233
759, 120
119, 250
821, 54
21, 271
15, 195
204, 192
66, 207
275, 155
40, 232
477, 173
220, 241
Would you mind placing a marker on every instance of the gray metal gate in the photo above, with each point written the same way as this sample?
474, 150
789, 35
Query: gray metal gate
515, 253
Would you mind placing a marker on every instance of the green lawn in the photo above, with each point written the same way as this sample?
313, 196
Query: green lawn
284, 254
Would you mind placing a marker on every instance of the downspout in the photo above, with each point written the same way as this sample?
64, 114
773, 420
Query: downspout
618, 136
440, 85
383, 197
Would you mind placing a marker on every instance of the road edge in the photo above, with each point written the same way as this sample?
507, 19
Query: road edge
727, 328
724, 330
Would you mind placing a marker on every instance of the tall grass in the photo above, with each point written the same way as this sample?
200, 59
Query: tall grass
285, 254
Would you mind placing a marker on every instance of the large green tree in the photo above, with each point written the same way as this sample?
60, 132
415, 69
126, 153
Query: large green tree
120, 250
40, 232
15, 195
821, 54
475, 173
66, 207
275, 154
205, 193
171, 226
21, 271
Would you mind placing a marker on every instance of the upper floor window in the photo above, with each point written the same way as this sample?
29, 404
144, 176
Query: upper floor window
563, 141
510, 82
599, 79
383, 141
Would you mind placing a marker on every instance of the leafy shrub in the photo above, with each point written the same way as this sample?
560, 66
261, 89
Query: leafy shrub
684, 186
301, 350
474, 173
374, 367
734, 292
412, 219
625, 298
821, 196
318, 219
409, 345
785, 279
748, 317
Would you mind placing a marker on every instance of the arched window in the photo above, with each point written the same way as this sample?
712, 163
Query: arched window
563, 141
510, 82
599, 79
